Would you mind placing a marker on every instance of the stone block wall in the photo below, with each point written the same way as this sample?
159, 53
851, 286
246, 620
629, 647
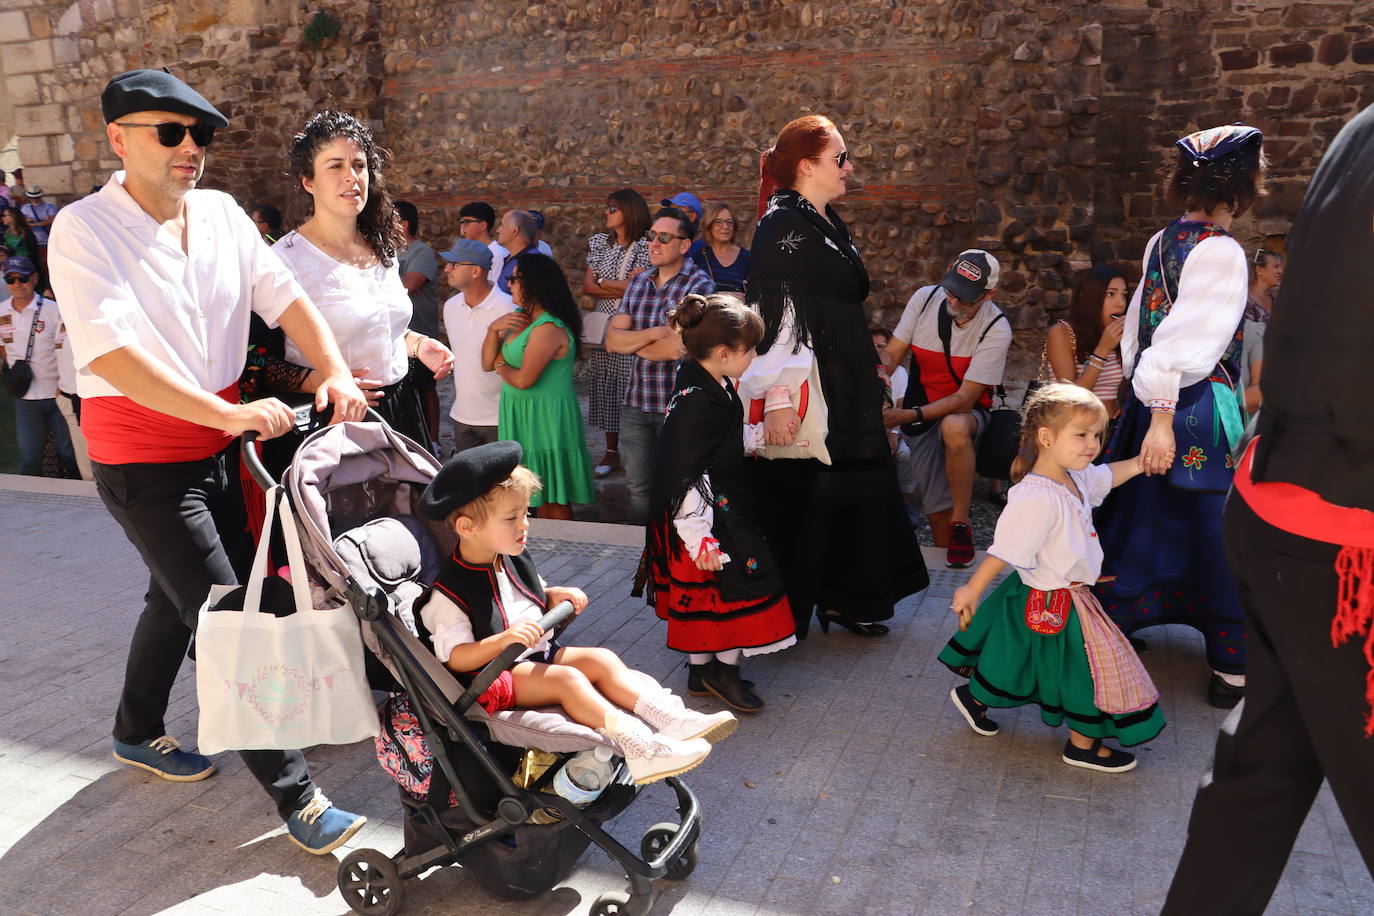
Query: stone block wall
1036, 130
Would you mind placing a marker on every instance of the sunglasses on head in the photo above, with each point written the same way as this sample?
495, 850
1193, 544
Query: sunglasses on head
170, 133
663, 238
11, 280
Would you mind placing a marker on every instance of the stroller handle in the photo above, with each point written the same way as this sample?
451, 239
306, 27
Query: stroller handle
555, 619
308, 419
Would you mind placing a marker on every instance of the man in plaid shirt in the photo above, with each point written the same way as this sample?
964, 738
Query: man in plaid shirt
641, 328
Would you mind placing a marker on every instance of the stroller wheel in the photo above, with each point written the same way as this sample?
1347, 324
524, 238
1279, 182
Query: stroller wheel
618, 903
370, 883
656, 839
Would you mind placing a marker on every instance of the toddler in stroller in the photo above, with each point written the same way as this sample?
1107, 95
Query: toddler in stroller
488, 596
356, 488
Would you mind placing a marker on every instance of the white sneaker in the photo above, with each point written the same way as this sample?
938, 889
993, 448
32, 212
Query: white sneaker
651, 757
670, 718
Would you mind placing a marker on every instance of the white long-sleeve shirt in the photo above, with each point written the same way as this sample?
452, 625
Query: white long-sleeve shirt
1207, 309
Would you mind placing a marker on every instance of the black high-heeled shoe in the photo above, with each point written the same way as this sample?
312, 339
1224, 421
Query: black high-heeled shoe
828, 616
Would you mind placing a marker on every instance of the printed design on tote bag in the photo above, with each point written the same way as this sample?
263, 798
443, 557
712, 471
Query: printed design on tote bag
279, 693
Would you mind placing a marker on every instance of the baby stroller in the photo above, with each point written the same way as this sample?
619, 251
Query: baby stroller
355, 488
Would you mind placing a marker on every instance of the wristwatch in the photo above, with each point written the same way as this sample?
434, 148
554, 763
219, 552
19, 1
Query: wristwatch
920, 415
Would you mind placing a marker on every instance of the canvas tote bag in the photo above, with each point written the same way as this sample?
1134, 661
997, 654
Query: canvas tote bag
272, 671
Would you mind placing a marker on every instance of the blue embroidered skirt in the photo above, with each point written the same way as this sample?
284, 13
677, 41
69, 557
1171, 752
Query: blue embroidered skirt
1161, 536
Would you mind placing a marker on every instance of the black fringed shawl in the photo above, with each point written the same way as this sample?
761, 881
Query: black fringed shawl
703, 434
800, 257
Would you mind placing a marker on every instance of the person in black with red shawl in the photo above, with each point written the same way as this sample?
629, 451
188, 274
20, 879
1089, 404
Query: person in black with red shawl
827, 486
1299, 528
713, 577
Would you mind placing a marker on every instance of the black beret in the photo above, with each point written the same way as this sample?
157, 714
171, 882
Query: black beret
468, 475
155, 90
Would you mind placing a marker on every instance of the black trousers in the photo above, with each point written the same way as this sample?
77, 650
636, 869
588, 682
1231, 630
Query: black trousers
1302, 720
187, 522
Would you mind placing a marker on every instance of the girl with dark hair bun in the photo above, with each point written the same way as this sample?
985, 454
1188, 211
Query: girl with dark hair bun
826, 482
1084, 349
1181, 350
344, 256
613, 258
533, 351
710, 573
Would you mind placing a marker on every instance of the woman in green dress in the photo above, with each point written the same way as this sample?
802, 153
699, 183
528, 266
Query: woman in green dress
533, 350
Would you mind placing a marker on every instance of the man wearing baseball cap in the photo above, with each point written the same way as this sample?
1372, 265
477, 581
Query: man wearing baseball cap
468, 316
157, 281
957, 341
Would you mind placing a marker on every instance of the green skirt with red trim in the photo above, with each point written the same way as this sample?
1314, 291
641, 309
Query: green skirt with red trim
1008, 664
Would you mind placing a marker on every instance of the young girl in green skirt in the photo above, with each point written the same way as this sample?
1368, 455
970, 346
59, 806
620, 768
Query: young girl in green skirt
1041, 637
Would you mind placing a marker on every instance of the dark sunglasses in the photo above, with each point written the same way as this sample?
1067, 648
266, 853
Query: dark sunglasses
663, 237
13, 280
170, 133
515, 278
612, 208
840, 158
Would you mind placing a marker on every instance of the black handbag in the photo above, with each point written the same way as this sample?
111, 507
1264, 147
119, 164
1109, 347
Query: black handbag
18, 376
1001, 440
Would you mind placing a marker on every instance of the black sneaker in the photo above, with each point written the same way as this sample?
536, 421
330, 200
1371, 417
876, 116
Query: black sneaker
1221, 694
1117, 761
974, 713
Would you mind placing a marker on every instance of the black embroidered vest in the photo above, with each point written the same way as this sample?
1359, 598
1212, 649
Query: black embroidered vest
474, 589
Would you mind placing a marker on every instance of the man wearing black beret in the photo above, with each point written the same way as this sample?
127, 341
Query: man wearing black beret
157, 281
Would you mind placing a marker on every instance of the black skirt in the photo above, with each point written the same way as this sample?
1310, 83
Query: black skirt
840, 536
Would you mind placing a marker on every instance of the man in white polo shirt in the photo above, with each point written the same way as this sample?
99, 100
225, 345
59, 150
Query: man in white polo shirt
30, 330
467, 316
157, 281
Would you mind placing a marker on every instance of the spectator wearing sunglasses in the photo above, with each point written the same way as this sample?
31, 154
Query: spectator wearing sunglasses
23, 315
613, 258
515, 232
157, 281
477, 221
641, 328
717, 252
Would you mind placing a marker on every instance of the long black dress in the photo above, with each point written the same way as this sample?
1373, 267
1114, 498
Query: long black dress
838, 531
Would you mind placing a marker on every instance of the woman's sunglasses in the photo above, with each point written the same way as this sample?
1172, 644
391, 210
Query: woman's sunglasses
170, 134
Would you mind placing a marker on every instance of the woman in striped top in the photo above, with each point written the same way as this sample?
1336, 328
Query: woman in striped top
1084, 349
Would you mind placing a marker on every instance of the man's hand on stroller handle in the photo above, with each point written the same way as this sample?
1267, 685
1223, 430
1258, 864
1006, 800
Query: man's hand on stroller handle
557, 594
343, 392
267, 417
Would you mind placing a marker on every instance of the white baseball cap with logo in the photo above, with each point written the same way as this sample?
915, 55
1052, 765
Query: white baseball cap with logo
971, 275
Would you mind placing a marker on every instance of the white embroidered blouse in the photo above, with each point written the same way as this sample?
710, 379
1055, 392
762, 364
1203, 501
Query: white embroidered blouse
1047, 532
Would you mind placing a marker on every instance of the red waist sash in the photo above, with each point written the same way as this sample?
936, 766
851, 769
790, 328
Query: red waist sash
119, 431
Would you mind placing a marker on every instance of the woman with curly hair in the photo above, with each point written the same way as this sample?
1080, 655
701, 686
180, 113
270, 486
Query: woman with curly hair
344, 255
533, 350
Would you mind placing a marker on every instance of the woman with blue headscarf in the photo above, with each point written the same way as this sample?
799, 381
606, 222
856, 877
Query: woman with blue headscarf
1181, 351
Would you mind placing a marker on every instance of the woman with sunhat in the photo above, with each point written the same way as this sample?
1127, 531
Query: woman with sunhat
1181, 350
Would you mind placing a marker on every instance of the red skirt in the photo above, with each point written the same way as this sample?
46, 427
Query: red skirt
700, 620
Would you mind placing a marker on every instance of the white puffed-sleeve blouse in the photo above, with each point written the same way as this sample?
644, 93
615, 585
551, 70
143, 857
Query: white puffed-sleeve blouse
1047, 532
